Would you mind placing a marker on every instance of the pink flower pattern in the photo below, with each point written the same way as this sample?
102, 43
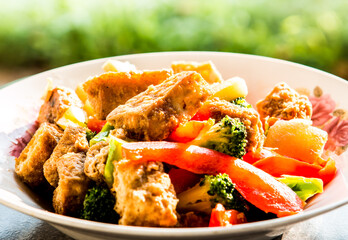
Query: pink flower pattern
323, 117
22, 142
337, 130
323, 107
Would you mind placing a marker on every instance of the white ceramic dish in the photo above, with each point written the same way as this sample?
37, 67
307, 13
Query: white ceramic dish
19, 103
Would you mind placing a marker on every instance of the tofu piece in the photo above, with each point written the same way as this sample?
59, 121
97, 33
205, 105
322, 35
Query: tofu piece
73, 141
107, 91
73, 184
207, 69
155, 113
96, 160
145, 195
57, 101
218, 109
284, 103
29, 165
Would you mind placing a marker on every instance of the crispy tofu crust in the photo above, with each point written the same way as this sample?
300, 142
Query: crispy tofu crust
218, 109
29, 165
155, 113
73, 140
145, 195
56, 103
284, 103
73, 184
111, 89
206, 69
96, 160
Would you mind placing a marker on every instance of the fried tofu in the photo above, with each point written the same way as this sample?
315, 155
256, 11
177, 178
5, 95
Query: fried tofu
206, 69
96, 160
72, 186
155, 113
145, 195
107, 91
57, 101
218, 109
29, 165
73, 141
284, 103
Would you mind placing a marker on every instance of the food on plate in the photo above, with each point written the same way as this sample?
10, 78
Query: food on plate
145, 195
206, 69
56, 102
284, 103
98, 205
73, 141
209, 191
175, 148
304, 187
29, 165
96, 161
298, 139
72, 184
217, 109
108, 90
230, 89
156, 112
228, 136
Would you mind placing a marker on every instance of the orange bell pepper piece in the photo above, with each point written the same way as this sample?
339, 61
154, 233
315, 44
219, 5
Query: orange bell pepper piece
255, 185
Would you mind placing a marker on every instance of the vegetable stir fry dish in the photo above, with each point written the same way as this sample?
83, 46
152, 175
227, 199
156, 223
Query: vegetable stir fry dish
176, 147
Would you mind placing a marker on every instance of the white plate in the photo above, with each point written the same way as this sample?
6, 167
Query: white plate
19, 103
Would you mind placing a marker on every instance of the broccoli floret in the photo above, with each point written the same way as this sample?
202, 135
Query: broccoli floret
241, 102
228, 136
208, 192
90, 134
99, 205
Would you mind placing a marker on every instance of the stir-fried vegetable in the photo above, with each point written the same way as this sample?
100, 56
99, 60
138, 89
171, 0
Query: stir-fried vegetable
241, 102
99, 205
255, 185
102, 135
208, 192
303, 187
278, 165
228, 136
115, 154
220, 217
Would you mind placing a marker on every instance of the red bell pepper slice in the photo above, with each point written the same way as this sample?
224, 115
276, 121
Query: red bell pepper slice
278, 165
95, 125
255, 185
221, 218
328, 172
251, 157
201, 115
182, 179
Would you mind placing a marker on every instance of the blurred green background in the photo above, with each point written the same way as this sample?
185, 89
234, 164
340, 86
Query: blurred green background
37, 35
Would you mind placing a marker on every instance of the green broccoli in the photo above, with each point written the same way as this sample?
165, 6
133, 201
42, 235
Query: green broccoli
208, 192
228, 136
99, 205
241, 102
90, 134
